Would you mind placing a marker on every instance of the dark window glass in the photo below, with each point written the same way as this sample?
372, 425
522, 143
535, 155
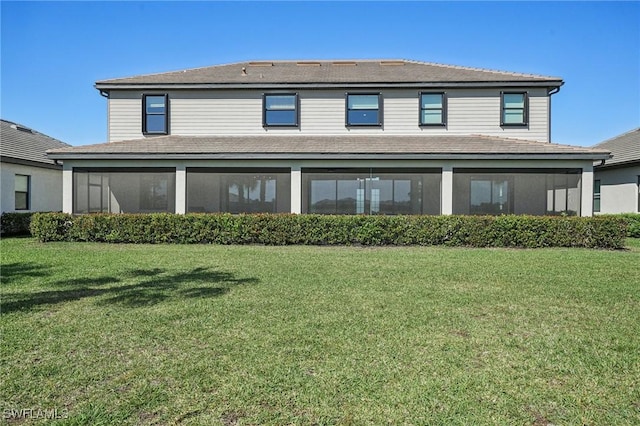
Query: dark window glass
514, 109
371, 191
363, 110
432, 109
238, 190
22, 192
154, 117
596, 196
280, 110
517, 191
490, 196
114, 190
154, 192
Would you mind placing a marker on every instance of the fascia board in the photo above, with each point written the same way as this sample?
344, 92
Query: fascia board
31, 163
299, 86
320, 156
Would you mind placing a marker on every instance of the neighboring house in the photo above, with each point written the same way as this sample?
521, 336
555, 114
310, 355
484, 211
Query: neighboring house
29, 180
617, 181
343, 137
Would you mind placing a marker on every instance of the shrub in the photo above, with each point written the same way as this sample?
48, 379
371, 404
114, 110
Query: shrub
15, 223
632, 220
281, 229
633, 224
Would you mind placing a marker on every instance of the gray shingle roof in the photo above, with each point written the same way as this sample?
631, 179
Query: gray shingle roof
330, 72
625, 148
320, 147
22, 144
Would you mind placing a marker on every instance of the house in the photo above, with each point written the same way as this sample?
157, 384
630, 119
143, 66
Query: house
330, 137
617, 180
30, 181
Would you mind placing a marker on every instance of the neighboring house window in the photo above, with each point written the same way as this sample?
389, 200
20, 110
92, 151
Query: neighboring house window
280, 110
364, 109
596, 196
433, 109
22, 195
155, 115
515, 109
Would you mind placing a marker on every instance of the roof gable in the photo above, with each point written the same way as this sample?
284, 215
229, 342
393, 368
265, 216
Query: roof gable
335, 72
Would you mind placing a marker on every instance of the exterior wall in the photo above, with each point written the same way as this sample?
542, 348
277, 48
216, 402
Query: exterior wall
322, 112
618, 189
45, 188
447, 181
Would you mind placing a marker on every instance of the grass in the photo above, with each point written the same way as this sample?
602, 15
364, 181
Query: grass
141, 334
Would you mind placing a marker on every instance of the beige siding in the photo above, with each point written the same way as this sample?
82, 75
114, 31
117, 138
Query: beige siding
125, 116
322, 112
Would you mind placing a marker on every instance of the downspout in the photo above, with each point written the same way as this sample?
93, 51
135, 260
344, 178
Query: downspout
105, 94
551, 92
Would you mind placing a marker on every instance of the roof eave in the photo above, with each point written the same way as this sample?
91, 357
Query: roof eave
618, 165
332, 156
30, 163
320, 85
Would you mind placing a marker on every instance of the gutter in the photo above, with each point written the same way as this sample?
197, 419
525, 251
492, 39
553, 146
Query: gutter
619, 165
338, 85
31, 163
322, 156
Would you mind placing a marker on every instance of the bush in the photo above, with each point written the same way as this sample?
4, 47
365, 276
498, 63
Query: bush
632, 220
15, 223
633, 224
281, 229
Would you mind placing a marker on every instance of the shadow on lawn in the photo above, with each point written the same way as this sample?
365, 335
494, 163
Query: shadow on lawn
137, 288
12, 271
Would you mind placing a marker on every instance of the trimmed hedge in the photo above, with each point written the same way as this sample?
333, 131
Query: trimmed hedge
633, 223
283, 229
15, 223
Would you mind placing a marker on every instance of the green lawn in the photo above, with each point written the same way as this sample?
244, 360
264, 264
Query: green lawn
168, 334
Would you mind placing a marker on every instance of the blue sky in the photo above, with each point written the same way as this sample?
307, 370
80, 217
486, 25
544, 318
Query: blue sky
53, 52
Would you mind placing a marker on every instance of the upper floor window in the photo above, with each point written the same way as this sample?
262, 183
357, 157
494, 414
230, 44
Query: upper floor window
515, 109
280, 110
364, 109
433, 109
155, 115
22, 197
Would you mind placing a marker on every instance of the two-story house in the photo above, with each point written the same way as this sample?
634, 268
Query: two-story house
343, 137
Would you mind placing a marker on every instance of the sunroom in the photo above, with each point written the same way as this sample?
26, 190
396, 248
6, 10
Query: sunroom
329, 175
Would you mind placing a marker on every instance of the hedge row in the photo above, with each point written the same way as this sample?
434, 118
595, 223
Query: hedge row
15, 223
633, 223
282, 229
